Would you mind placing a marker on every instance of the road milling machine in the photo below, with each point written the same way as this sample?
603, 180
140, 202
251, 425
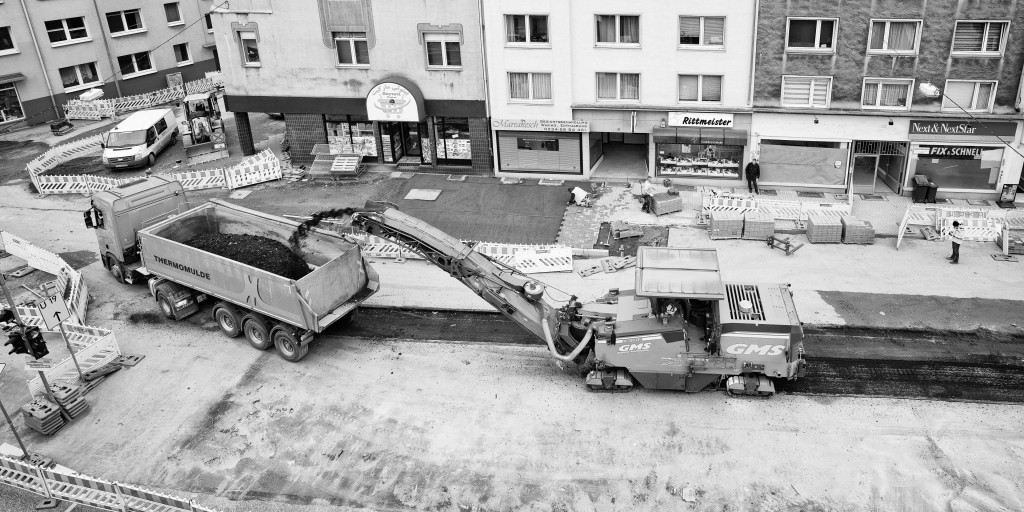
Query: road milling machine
681, 328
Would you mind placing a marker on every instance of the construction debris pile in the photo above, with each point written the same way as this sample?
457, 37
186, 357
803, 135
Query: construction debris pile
255, 251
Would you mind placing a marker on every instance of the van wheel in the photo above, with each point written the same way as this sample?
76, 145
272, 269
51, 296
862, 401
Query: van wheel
227, 319
151, 159
255, 329
288, 345
165, 305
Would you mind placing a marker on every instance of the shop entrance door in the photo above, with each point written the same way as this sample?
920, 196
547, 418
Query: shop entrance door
863, 179
411, 136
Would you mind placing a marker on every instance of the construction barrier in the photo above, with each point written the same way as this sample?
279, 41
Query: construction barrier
100, 108
36, 257
199, 180
715, 201
261, 167
978, 224
544, 260
16, 473
93, 356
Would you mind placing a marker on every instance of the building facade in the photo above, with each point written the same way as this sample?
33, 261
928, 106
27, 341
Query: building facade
860, 96
52, 51
600, 89
398, 82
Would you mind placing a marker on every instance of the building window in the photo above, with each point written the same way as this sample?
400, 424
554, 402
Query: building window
10, 104
618, 86
700, 88
173, 14
979, 38
806, 91
886, 94
79, 77
453, 140
7, 46
122, 23
250, 49
974, 96
135, 64
811, 35
209, 23
353, 48
182, 55
616, 29
443, 50
529, 87
66, 31
526, 29
702, 31
900, 37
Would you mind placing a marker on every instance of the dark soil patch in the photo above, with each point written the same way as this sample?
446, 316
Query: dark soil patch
145, 317
15, 155
256, 251
652, 236
79, 259
81, 165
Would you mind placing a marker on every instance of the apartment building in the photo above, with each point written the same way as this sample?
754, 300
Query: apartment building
863, 96
601, 89
51, 51
399, 82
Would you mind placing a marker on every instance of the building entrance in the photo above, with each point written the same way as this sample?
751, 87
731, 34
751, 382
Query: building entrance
878, 166
624, 156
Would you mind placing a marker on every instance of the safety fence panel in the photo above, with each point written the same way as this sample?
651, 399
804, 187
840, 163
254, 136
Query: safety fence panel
79, 109
36, 257
544, 260
198, 180
83, 490
89, 358
722, 204
963, 213
261, 167
781, 209
101, 183
143, 500
21, 475
53, 184
972, 229
201, 85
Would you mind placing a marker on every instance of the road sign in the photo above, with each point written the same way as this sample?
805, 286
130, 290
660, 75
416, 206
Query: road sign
53, 310
38, 365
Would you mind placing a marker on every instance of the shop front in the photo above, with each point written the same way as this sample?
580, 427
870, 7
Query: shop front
700, 146
966, 159
540, 147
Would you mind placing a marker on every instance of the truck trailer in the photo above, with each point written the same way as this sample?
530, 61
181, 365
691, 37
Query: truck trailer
142, 228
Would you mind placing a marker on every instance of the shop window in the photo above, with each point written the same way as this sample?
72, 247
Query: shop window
250, 48
182, 55
806, 91
701, 31
353, 48
959, 167
443, 50
704, 88
122, 23
209, 23
7, 46
173, 14
526, 29
968, 95
894, 36
135, 64
614, 29
452, 135
10, 104
618, 86
66, 31
529, 87
886, 94
979, 38
351, 134
811, 35
82, 76
699, 160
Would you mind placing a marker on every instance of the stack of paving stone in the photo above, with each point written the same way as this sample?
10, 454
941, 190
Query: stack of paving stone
1014, 242
758, 225
42, 416
725, 224
822, 229
857, 231
71, 398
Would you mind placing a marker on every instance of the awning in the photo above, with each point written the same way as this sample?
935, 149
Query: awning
11, 77
694, 135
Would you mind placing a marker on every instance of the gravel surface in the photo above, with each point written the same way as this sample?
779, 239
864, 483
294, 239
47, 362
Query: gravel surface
256, 251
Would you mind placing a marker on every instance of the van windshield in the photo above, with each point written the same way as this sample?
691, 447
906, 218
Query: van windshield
126, 139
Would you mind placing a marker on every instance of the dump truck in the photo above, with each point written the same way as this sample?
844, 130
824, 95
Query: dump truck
142, 227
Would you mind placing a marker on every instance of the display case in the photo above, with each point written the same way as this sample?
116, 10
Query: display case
699, 161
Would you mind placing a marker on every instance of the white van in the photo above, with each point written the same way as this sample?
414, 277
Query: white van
139, 138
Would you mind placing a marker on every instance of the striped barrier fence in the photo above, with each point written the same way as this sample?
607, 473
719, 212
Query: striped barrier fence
720, 204
89, 358
543, 260
83, 490
972, 229
782, 209
101, 183
39, 258
28, 477
199, 180
79, 109
143, 500
261, 167
55, 184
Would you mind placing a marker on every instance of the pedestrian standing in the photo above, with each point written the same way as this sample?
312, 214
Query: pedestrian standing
957, 235
753, 172
647, 195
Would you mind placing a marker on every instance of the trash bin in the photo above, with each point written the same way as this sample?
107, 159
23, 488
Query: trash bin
932, 190
920, 189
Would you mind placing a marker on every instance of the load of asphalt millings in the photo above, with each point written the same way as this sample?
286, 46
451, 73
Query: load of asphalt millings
302, 231
256, 251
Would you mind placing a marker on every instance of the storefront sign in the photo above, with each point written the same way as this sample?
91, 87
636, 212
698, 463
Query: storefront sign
700, 119
540, 125
389, 101
953, 151
963, 128
531, 143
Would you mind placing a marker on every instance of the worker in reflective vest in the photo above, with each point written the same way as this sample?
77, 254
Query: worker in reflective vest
957, 235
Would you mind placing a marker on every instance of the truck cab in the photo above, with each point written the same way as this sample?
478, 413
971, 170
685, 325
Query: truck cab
119, 213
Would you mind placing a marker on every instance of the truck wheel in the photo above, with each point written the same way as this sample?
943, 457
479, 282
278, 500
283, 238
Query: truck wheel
165, 305
227, 319
256, 333
288, 345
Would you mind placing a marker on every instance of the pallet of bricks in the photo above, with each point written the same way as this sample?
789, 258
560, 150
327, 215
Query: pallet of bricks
1014, 243
725, 224
857, 231
824, 229
758, 225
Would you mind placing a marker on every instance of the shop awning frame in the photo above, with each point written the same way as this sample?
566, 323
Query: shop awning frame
698, 135
11, 77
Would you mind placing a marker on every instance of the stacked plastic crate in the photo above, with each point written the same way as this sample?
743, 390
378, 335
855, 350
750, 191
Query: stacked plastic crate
725, 224
857, 231
822, 229
758, 225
